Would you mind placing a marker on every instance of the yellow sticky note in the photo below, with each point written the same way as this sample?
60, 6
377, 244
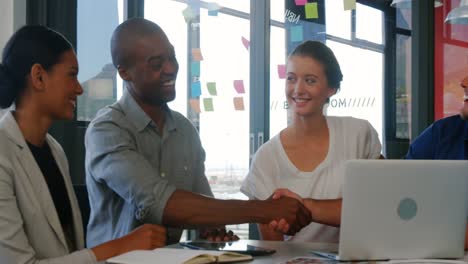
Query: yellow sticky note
195, 104
239, 103
197, 55
349, 4
311, 10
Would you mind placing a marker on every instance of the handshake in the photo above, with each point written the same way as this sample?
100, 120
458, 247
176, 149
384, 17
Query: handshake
289, 212
293, 212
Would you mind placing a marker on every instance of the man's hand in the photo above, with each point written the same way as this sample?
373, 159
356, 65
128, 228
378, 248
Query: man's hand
217, 234
145, 237
282, 225
292, 212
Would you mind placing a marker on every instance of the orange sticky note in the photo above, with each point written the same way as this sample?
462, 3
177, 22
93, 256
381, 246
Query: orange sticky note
197, 55
239, 103
195, 104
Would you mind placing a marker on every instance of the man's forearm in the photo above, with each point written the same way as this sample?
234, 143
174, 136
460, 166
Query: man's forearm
326, 212
186, 209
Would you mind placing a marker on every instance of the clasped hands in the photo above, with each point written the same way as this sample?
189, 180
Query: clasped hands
284, 225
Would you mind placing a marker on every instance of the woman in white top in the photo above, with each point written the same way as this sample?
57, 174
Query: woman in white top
307, 157
40, 221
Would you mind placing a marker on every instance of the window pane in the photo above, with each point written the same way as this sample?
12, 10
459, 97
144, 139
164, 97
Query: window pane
226, 60
361, 93
338, 21
168, 15
403, 18
403, 86
277, 10
96, 20
369, 24
206, 91
239, 5
278, 110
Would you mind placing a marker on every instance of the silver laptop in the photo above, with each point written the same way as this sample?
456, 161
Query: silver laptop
403, 209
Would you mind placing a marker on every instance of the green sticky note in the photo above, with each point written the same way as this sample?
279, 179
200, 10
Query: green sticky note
188, 14
208, 103
311, 10
349, 4
211, 88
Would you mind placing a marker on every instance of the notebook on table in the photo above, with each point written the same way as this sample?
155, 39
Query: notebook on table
403, 209
176, 256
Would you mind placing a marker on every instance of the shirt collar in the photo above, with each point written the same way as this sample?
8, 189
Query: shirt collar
139, 118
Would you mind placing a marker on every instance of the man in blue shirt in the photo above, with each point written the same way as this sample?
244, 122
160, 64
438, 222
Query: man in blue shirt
446, 139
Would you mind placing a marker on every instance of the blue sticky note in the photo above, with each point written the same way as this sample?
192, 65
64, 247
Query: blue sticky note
213, 12
296, 34
195, 68
196, 89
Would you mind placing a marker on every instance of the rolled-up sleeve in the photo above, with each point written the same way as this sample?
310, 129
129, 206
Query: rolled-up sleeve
113, 159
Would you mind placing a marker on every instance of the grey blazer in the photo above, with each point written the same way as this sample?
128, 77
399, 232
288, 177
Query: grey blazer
30, 230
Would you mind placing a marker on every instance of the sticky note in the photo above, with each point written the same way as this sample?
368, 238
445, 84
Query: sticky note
349, 4
311, 10
213, 9
282, 71
301, 2
239, 103
188, 14
195, 104
239, 86
195, 68
197, 55
196, 89
246, 43
211, 88
296, 34
208, 104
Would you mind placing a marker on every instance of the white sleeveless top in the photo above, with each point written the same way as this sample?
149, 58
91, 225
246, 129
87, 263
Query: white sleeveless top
349, 138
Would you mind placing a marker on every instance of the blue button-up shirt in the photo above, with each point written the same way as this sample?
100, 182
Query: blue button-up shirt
132, 169
446, 139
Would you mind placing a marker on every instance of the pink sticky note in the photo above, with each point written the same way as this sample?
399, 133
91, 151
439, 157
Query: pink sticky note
246, 43
301, 2
239, 86
282, 71
239, 103
197, 55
